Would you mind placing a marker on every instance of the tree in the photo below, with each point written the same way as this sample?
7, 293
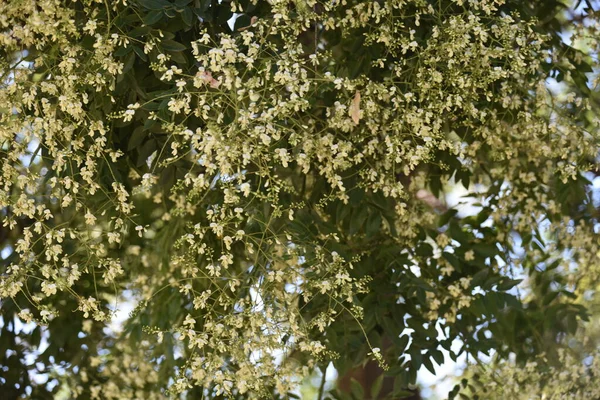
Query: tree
264, 182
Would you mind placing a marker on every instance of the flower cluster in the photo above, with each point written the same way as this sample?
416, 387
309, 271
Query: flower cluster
199, 190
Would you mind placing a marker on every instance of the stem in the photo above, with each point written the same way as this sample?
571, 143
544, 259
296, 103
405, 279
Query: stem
322, 386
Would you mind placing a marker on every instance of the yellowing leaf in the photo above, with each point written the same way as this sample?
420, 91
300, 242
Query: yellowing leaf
355, 108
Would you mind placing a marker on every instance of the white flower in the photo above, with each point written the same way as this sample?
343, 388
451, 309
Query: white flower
140, 230
245, 188
48, 288
90, 219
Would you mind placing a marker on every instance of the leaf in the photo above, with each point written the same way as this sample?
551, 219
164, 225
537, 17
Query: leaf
140, 53
146, 151
168, 176
171, 45
224, 14
486, 250
453, 260
242, 22
179, 57
187, 16
357, 389
429, 365
204, 14
358, 219
424, 250
457, 233
445, 217
152, 106
354, 110
376, 387
128, 64
508, 284
123, 51
479, 277
403, 393
337, 395
136, 139
373, 224
140, 31
36, 336
342, 212
153, 17
401, 342
438, 356
571, 323
416, 358
155, 4
412, 376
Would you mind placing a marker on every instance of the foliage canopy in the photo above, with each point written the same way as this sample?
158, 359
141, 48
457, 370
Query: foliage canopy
265, 182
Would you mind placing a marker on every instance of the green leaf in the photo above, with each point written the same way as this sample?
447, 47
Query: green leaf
140, 31
453, 260
490, 282
153, 17
140, 53
123, 51
486, 250
342, 212
376, 387
438, 356
429, 365
508, 284
187, 16
335, 394
224, 13
401, 342
549, 297
374, 224
416, 358
412, 376
465, 178
179, 57
171, 45
571, 323
137, 137
128, 64
36, 336
445, 217
479, 277
152, 106
457, 233
357, 389
242, 21
146, 151
358, 219
356, 196
568, 294
424, 250
155, 4
203, 13
168, 176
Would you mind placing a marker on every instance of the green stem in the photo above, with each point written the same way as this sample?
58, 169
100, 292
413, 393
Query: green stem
322, 386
